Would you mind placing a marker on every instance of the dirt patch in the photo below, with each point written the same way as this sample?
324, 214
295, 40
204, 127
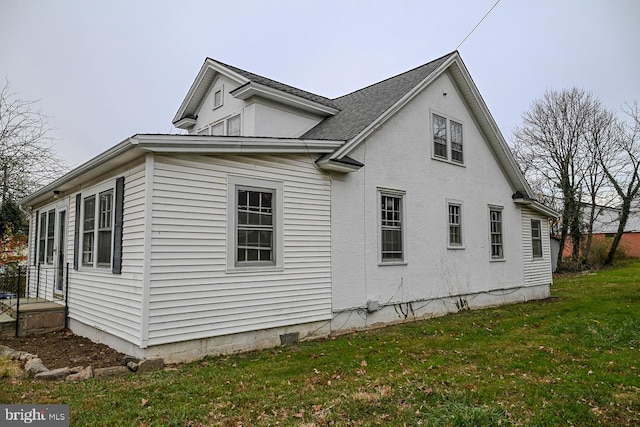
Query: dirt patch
64, 349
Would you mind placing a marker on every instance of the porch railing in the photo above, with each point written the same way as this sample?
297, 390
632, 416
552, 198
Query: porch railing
32, 285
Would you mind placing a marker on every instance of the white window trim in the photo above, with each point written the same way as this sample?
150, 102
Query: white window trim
533, 255
450, 202
449, 119
56, 208
504, 248
393, 193
225, 125
95, 191
228, 120
278, 234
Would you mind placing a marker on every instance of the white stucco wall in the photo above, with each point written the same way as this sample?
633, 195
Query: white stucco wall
399, 156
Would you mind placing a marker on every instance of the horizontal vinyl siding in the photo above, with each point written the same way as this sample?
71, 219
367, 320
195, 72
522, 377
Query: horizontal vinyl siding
192, 295
112, 302
537, 271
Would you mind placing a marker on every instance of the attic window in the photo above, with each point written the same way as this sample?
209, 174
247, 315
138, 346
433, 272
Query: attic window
447, 139
233, 126
217, 99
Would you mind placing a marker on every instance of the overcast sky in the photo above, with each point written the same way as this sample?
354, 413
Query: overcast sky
106, 70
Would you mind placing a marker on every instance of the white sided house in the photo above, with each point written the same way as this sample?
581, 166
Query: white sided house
284, 212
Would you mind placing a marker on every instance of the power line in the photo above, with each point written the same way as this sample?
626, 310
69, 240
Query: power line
478, 24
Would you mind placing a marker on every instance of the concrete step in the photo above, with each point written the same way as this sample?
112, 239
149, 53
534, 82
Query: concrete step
7, 325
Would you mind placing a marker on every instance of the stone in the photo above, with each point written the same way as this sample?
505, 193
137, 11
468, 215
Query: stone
54, 374
83, 374
133, 366
34, 366
128, 359
151, 365
113, 371
27, 356
75, 369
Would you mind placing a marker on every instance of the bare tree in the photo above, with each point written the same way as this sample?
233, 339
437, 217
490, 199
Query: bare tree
600, 138
552, 141
27, 156
624, 172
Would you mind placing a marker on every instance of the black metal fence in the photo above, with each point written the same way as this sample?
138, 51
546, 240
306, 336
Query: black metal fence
31, 285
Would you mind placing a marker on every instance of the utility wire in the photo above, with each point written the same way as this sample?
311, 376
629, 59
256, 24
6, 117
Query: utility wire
478, 24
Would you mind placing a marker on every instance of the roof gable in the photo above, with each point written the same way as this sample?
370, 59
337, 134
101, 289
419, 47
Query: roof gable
250, 84
361, 108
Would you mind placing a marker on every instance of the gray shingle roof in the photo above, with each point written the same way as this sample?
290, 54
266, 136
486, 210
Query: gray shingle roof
279, 86
362, 107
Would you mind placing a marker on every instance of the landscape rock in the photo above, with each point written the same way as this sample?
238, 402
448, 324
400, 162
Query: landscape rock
54, 374
5, 351
151, 365
128, 359
83, 374
26, 356
34, 366
133, 366
75, 369
113, 371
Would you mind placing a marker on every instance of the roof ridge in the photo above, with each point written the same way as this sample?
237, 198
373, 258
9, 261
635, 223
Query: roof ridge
278, 85
397, 75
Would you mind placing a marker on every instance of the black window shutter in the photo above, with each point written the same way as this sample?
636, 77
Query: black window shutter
117, 227
37, 240
76, 233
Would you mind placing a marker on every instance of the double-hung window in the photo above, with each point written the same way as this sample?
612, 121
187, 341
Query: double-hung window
447, 139
255, 225
46, 234
536, 238
455, 224
391, 226
97, 229
495, 233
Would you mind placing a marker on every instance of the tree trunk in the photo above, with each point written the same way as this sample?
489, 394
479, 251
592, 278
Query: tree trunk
624, 216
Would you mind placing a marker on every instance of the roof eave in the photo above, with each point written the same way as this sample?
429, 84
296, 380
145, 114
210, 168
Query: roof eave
256, 89
205, 76
537, 206
337, 165
204, 144
93, 168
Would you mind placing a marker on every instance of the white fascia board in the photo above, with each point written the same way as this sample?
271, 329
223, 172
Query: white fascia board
356, 140
120, 154
496, 136
333, 165
199, 144
537, 206
185, 123
257, 89
205, 76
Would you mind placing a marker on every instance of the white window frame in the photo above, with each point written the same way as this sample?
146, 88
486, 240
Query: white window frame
460, 224
221, 124
501, 256
46, 246
234, 183
399, 194
537, 238
96, 192
448, 138
228, 123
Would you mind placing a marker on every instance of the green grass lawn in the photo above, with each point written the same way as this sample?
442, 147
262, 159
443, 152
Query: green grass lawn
571, 360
